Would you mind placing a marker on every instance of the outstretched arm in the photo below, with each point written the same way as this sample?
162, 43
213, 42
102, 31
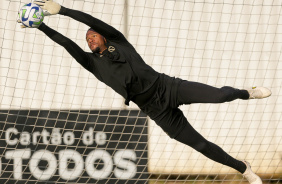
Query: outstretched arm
101, 27
76, 52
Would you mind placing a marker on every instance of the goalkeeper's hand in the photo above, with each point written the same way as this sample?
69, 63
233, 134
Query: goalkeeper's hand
22, 26
51, 7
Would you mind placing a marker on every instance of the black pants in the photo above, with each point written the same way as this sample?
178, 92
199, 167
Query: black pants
192, 92
162, 106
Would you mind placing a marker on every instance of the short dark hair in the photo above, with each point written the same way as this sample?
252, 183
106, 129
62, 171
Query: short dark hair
91, 29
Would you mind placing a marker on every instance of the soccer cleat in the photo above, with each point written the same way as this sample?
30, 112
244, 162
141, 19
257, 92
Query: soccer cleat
259, 92
250, 175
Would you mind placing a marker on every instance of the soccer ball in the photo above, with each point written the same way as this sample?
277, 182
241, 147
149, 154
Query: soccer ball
31, 15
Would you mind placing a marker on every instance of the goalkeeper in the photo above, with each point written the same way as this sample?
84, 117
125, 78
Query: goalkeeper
115, 62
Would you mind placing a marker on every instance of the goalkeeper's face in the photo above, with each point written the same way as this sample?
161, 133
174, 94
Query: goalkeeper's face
96, 42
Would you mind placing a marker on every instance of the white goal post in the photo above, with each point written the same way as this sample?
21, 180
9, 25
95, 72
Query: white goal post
45, 93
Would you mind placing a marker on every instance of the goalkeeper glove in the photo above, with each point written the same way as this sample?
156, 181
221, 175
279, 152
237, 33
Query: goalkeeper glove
22, 26
51, 7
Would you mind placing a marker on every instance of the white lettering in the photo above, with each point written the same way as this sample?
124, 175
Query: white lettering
56, 136
107, 164
69, 138
128, 168
34, 137
34, 161
8, 136
64, 171
45, 135
25, 138
18, 156
101, 138
124, 160
87, 137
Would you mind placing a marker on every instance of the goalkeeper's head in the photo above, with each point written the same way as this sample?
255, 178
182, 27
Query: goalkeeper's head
96, 42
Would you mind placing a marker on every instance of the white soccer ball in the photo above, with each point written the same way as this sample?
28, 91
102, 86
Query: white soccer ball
31, 15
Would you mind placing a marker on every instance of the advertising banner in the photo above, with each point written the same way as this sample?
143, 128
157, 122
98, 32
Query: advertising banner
69, 146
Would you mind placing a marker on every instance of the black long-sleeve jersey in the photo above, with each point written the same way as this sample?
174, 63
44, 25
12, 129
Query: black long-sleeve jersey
119, 67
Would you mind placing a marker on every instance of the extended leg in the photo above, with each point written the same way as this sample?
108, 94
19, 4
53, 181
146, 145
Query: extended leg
192, 138
194, 92
175, 124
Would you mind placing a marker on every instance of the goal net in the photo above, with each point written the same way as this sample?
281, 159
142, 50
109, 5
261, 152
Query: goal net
59, 124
